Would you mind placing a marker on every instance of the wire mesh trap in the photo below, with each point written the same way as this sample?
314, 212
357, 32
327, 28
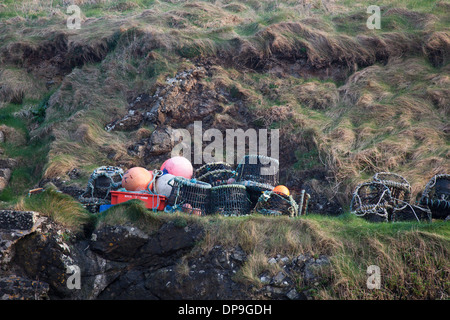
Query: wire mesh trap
410, 213
258, 169
436, 196
273, 203
371, 200
190, 196
217, 177
399, 186
213, 166
230, 200
255, 190
101, 182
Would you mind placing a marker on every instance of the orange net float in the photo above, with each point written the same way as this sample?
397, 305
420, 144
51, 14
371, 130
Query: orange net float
137, 179
280, 189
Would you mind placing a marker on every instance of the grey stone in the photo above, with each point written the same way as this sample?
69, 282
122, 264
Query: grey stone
293, 295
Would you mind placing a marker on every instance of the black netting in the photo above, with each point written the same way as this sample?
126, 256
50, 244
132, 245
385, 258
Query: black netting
258, 169
436, 196
273, 203
371, 200
213, 166
411, 213
217, 177
255, 189
98, 189
190, 196
399, 186
230, 200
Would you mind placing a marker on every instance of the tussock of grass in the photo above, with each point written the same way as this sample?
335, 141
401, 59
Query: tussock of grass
132, 212
60, 207
413, 258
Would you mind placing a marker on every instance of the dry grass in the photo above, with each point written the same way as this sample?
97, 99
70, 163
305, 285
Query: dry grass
388, 111
60, 207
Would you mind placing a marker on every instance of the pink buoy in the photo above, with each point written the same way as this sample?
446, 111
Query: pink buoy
179, 167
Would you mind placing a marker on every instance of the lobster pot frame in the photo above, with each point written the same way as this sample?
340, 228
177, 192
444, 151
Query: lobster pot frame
230, 200
255, 189
436, 196
190, 196
252, 167
98, 189
372, 201
213, 166
399, 186
411, 213
272, 203
217, 177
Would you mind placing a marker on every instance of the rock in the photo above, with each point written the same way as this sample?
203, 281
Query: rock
17, 220
129, 122
160, 141
272, 261
293, 295
284, 260
5, 175
17, 288
239, 254
14, 225
278, 279
117, 243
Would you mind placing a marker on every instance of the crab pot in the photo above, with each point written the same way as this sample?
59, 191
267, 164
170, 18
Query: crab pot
411, 213
399, 187
272, 203
191, 195
255, 190
230, 200
376, 217
258, 169
217, 177
436, 196
372, 201
213, 166
102, 181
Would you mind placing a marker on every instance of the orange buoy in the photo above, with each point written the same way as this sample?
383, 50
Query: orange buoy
137, 179
187, 208
281, 190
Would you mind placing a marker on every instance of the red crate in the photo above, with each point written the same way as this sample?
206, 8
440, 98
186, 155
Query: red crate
152, 201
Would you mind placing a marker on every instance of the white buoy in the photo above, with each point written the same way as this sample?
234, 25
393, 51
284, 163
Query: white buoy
161, 184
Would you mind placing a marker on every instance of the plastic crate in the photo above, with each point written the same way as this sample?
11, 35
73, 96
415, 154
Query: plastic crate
104, 207
152, 201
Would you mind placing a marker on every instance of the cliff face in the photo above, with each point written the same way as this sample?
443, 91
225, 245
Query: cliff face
42, 260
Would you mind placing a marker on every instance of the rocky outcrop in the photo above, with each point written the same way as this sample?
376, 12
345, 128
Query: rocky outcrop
42, 260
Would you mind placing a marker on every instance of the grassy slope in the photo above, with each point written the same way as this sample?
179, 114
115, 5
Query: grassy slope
383, 117
409, 135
